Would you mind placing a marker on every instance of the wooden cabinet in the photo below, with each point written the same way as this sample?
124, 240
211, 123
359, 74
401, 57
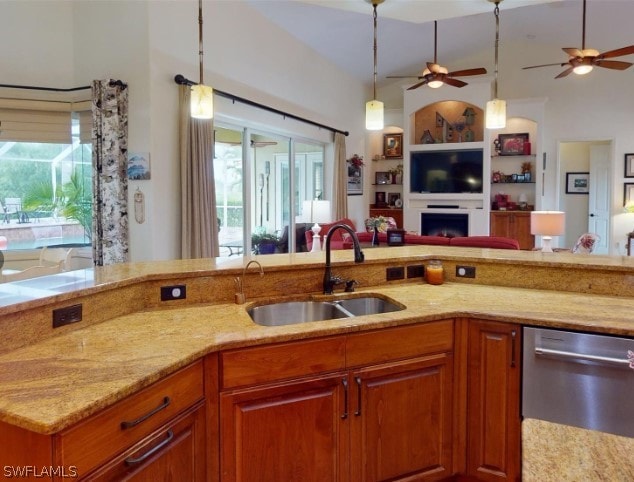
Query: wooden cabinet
493, 401
288, 431
175, 452
513, 224
395, 213
401, 420
387, 416
158, 433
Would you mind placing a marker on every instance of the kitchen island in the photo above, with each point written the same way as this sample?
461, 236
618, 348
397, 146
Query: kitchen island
55, 383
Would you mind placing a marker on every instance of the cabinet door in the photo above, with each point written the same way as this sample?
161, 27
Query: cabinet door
401, 420
287, 432
501, 225
175, 452
493, 406
522, 230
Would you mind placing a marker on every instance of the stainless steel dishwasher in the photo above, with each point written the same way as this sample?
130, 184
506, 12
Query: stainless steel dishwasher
577, 406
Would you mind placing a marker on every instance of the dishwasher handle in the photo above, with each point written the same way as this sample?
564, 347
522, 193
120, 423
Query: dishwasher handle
573, 356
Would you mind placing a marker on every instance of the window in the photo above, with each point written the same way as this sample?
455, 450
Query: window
45, 175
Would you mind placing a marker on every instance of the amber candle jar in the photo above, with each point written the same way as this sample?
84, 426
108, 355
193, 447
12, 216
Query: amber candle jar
434, 272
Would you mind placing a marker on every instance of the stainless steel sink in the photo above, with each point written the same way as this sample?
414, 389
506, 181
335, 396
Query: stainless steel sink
292, 312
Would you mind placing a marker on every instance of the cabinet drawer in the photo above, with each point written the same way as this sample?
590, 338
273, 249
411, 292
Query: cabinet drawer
253, 366
100, 437
399, 343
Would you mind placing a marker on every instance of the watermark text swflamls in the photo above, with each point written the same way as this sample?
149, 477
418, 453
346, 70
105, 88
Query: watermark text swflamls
46, 471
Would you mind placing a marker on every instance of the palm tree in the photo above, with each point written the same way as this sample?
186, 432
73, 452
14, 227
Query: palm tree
73, 200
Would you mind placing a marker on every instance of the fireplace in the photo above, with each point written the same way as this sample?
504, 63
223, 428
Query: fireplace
449, 225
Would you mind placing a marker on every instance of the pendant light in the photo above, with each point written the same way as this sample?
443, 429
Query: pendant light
202, 96
374, 108
495, 117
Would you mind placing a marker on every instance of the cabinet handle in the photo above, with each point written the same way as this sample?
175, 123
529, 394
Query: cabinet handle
513, 334
344, 381
358, 381
133, 423
134, 461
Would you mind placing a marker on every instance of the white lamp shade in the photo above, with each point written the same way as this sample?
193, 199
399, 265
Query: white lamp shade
495, 116
582, 69
374, 115
202, 102
316, 211
548, 223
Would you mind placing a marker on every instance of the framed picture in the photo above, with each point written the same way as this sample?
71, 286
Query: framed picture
629, 165
139, 166
393, 146
512, 144
382, 177
355, 180
628, 192
577, 182
380, 199
393, 197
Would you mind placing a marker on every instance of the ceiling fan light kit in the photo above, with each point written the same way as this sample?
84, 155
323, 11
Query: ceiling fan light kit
374, 110
495, 112
202, 96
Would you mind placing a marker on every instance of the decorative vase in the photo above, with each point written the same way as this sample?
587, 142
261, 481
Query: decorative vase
375, 237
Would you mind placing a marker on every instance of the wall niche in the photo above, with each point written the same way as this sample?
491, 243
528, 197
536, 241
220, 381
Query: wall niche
448, 121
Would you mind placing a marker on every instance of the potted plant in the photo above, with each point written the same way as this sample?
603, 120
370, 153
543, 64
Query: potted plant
264, 243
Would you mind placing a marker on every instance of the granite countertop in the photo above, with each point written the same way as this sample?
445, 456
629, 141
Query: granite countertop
47, 386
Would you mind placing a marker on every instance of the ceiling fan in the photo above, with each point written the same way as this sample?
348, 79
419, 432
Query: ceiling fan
582, 60
436, 75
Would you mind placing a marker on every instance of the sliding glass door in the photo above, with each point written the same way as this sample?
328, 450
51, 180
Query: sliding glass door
259, 191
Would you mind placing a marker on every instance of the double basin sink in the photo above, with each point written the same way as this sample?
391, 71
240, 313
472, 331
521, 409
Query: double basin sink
292, 312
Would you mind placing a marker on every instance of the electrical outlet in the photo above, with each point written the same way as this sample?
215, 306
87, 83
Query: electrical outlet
415, 271
395, 273
67, 315
175, 292
465, 271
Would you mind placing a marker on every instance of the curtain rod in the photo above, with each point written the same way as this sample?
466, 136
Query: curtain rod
181, 80
113, 83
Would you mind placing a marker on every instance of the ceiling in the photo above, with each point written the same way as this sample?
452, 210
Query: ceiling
342, 31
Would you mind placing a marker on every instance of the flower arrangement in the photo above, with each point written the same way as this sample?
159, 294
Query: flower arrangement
356, 160
526, 167
396, 170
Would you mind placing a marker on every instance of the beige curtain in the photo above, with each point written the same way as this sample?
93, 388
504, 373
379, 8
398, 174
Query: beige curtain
340, 189
199, 224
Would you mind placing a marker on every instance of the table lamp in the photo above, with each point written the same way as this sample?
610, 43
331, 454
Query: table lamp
547, 224
316, 212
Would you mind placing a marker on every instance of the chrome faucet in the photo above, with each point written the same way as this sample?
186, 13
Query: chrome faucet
240, 297
331, 281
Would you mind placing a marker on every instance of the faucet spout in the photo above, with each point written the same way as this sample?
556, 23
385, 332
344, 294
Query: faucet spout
359, 257
240, 297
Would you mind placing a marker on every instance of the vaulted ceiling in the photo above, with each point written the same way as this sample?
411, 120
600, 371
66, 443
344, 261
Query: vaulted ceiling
342, 31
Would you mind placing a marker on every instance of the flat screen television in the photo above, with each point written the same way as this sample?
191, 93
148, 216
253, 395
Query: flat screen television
456, 171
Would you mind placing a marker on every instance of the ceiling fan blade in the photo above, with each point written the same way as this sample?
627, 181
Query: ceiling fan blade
573, 52
454, 82
565, 72
545, 65
617, 52
464, 73
613, 64
416, 86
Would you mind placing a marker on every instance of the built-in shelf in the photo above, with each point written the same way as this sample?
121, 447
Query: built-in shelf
390, 184
512, 156
511, 182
